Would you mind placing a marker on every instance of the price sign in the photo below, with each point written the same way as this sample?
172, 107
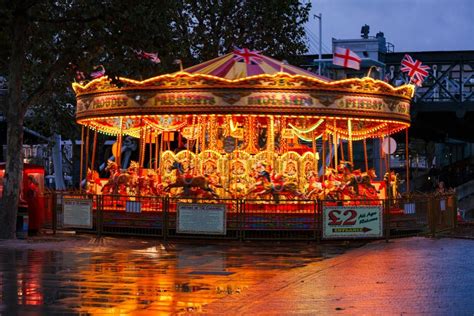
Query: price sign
341, 222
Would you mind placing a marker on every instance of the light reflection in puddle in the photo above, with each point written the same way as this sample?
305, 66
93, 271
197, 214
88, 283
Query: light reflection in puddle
154, 279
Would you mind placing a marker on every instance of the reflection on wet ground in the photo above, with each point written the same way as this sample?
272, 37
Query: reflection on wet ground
120, 276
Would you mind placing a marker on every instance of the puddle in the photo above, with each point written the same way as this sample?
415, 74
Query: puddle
139, 276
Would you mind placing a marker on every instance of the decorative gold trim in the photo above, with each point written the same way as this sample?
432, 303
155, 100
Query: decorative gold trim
183, 80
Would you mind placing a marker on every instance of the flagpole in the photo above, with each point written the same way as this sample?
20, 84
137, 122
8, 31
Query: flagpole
370, 70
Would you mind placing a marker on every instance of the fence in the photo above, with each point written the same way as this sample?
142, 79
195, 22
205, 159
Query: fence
245, 219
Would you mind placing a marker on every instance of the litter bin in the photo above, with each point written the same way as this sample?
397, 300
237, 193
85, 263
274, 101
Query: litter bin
22, 221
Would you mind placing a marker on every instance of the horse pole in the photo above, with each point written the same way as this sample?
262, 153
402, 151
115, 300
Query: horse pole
407, 161
82, 157
365, 156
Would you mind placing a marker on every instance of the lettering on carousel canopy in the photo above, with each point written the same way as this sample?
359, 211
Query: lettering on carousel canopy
280, 99
184, 99
110, 102
152, 100
373, 104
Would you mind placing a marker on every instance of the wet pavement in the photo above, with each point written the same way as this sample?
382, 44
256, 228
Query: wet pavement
114, 276
406, 276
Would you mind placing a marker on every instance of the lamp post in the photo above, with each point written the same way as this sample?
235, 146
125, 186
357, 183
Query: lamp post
320, 18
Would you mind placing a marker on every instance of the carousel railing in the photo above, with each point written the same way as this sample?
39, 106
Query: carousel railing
287, 219
250, 219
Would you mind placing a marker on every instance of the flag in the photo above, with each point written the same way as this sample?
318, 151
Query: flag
153, 57
416, 81
99, 71
78, 75
247, 55
346, 58
414, 69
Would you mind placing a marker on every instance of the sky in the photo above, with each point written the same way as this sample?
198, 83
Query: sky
411, 25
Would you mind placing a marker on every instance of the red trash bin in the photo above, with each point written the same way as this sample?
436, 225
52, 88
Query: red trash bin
33, 189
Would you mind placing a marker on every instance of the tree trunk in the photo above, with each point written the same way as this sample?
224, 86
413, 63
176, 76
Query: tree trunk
13, 176
15, 113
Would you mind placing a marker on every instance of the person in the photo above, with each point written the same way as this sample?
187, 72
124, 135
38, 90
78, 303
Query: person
262, 171
32, 195
441, 188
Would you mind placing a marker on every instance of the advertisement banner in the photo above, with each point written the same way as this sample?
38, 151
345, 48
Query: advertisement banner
340, 222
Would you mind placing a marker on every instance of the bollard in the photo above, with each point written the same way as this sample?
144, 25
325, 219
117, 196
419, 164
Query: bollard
22, 226
54, 223
386, 221
165, 206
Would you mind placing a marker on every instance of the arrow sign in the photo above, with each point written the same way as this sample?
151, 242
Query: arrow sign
352, 221
351, 230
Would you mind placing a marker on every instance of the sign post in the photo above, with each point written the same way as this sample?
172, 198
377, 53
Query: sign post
353, 222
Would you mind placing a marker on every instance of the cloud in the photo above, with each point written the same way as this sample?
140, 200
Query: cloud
411, 25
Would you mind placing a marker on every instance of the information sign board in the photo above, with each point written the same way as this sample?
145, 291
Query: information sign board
197, 218
341, 222
77, 213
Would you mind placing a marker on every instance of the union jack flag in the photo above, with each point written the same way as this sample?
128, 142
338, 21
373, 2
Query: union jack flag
153, 57
415, 69
247, 55
99, 71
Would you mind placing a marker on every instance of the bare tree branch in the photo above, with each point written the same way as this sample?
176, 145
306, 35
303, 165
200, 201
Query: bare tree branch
101, 16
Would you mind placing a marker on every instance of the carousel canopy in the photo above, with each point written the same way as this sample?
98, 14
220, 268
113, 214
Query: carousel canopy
241, 86
244, 63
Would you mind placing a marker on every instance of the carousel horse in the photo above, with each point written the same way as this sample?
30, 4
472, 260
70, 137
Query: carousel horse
391, 182
152, 184
187, 181
92, 181
273, 185
360, 185
262, 185
370, 191
118, 182
333, 184
315, 187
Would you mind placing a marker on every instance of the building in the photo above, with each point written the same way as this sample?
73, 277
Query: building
442, 132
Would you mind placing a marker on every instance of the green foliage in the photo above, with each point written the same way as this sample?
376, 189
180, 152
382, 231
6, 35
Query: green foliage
91, 32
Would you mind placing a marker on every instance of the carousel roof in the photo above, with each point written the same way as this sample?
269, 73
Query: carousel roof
243, 84
235, 66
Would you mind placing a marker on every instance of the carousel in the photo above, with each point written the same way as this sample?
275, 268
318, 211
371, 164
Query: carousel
241, 127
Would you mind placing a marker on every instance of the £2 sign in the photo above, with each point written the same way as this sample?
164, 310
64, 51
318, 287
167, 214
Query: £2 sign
345, 222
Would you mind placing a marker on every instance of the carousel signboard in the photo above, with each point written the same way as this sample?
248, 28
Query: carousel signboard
120, 103
342, 222
77, 213
197, 218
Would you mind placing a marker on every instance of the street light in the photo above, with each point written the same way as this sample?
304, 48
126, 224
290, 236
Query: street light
320, 18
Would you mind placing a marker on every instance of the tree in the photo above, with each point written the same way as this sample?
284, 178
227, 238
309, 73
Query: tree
210, 28
39, 39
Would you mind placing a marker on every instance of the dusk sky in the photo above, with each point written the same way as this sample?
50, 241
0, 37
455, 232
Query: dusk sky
411, 25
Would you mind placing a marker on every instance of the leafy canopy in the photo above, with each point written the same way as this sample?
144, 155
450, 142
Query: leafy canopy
90, 32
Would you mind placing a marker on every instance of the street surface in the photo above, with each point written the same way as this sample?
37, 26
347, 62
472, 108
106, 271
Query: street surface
113, 276
406, 276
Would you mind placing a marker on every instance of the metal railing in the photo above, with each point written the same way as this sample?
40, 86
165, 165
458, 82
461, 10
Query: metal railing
248, 219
